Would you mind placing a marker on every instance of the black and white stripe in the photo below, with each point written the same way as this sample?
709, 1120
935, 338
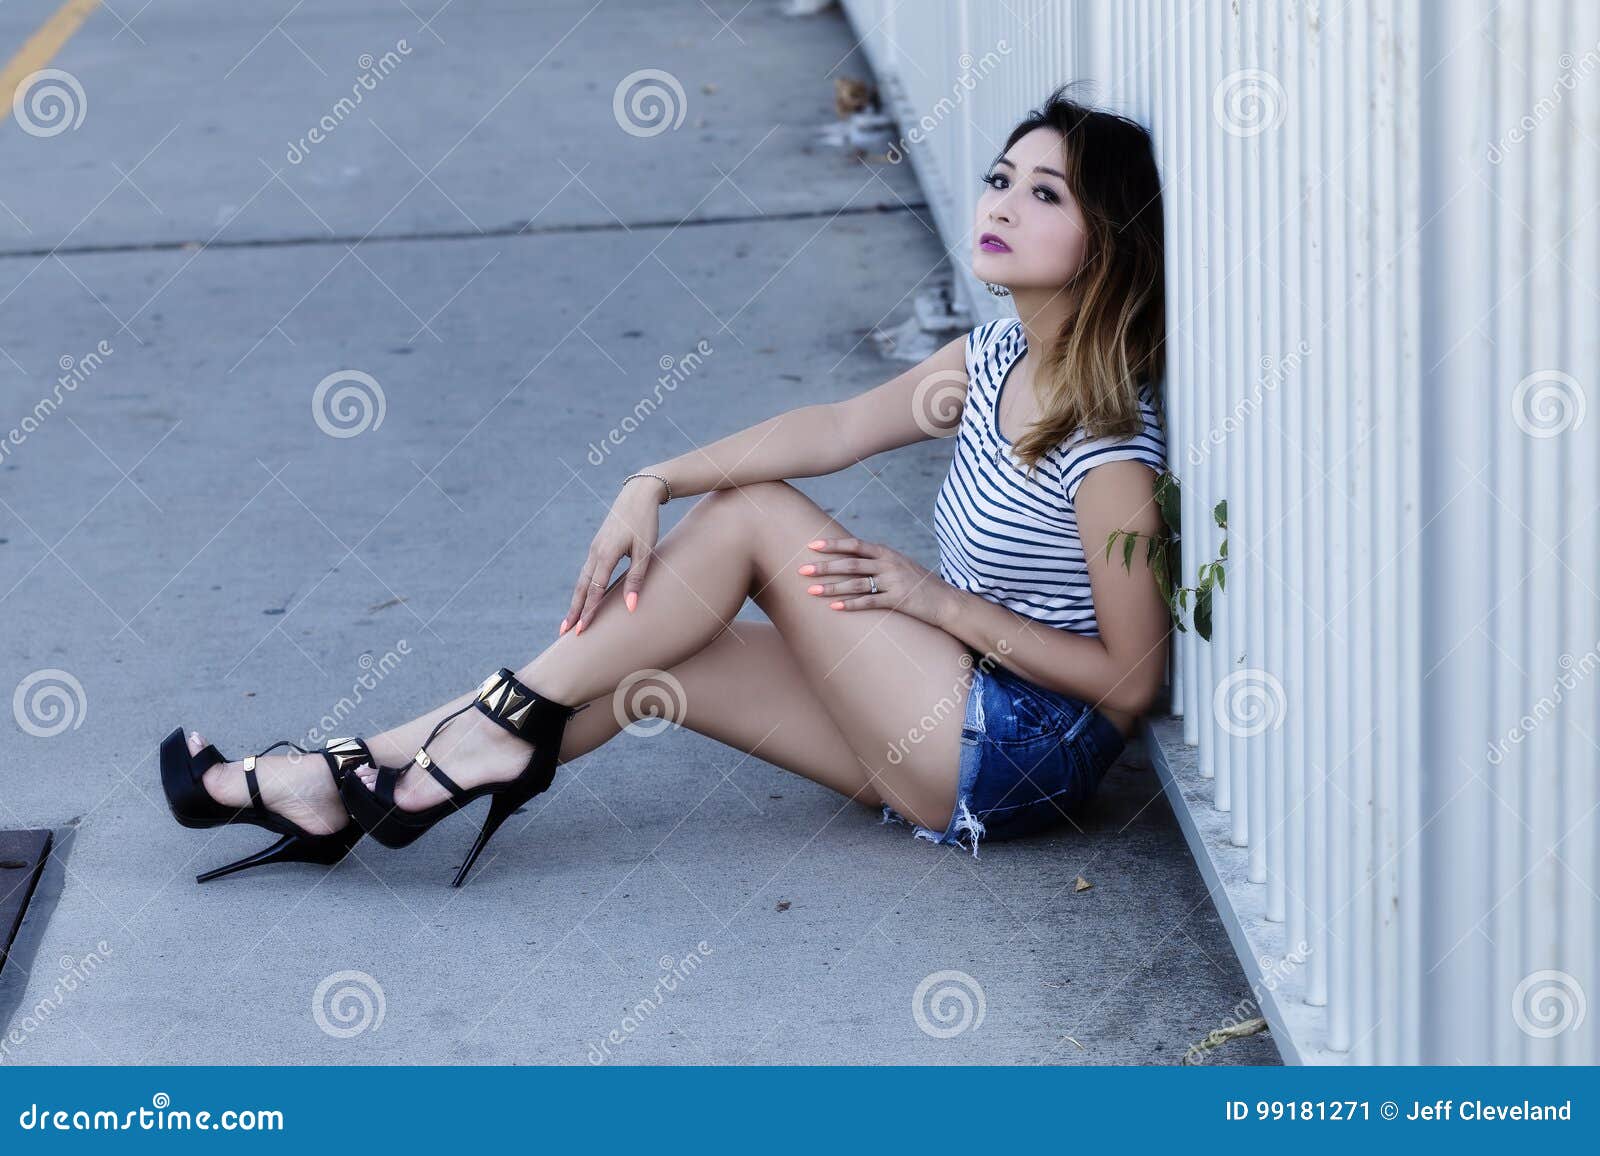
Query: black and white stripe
1012, 539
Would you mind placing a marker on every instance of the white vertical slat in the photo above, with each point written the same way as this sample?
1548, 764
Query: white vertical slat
1313, 570
1543, 508
1407, 596
1267, 441
1214, 745
1292, 410
1579, 759
1231, 620
1333, 491
1250, 455
1456, 381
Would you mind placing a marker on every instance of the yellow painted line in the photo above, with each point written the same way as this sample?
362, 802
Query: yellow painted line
39, 48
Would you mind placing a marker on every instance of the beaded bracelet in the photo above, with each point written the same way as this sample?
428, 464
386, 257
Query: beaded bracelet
648, 474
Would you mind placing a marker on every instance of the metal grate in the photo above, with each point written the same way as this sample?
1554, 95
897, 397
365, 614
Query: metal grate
22, 856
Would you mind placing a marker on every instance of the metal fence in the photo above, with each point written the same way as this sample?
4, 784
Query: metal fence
1383, 262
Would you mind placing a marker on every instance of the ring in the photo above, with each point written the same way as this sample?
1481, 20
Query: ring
592, 582
873, 578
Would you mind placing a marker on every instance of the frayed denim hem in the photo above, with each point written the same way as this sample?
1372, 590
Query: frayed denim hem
963, 822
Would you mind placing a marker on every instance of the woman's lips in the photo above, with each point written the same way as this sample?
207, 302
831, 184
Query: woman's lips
989, 243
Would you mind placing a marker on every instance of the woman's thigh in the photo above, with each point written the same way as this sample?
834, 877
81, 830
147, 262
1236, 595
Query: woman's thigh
896, 687
746, 690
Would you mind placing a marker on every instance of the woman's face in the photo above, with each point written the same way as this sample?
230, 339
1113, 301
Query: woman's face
1041, 232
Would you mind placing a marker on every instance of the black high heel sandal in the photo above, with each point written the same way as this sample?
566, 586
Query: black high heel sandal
513, 706
193, 806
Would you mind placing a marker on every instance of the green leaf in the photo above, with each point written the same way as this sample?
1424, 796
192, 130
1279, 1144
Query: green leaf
1202, 614
1127, 553
1220, 513
1169, 499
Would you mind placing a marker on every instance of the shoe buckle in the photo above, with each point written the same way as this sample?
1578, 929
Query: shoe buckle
249, 763
421, 758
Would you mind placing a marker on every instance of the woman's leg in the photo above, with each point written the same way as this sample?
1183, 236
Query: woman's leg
894, 686
747, 691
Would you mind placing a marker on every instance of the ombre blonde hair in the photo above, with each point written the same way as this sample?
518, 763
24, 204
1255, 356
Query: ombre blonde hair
1089, 376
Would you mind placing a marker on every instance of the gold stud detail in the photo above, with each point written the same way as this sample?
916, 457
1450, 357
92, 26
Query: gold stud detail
487, 685
347, 752
250, 762
422, 759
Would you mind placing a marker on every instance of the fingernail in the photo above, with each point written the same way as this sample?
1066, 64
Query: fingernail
563, 629
632, 600
579, 630
808, 568
836, 605
814, 589
817, 543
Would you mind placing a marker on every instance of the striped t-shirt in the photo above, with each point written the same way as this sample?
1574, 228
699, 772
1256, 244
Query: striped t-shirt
1014, 539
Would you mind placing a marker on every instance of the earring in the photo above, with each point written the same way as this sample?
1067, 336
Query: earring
997, 290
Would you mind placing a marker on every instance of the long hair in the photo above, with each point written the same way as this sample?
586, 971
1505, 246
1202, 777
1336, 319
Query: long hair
1090, 374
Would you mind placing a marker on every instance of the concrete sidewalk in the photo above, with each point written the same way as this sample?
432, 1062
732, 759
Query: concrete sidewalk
182, 542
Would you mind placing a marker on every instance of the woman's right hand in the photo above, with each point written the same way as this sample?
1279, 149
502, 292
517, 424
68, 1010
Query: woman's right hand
630, 530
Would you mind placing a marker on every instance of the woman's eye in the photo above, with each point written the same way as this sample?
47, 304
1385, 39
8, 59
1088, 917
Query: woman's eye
1050, 197
992, 179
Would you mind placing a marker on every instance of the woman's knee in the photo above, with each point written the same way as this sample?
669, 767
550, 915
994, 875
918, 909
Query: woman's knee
754, 498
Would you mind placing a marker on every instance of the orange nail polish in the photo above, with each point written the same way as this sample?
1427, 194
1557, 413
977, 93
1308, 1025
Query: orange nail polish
817, 589
563, 628
808, 568
632, 600
837, 605
579, 630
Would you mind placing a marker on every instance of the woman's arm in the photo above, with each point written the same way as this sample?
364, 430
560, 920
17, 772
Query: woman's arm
1123, 668
812, 440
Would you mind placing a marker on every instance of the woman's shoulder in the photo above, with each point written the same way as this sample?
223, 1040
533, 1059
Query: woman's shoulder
982, 338
1080, 454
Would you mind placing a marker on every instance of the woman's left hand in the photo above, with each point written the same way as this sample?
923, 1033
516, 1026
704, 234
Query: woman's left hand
903, 585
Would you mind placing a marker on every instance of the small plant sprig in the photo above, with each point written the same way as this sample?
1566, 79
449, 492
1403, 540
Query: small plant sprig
1164, 554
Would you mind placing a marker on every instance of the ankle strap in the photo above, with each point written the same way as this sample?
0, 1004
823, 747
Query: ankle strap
517, 707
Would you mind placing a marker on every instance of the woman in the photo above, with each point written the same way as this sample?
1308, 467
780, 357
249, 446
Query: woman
986, 699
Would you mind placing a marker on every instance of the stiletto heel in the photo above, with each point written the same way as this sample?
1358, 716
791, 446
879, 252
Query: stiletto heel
501, 808
324, 849
513, 706
192, 805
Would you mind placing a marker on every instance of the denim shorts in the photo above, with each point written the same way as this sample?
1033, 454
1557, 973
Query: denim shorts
1030, 759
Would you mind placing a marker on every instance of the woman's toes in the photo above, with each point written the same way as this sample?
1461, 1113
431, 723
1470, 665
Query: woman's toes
368, 775
196, 742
